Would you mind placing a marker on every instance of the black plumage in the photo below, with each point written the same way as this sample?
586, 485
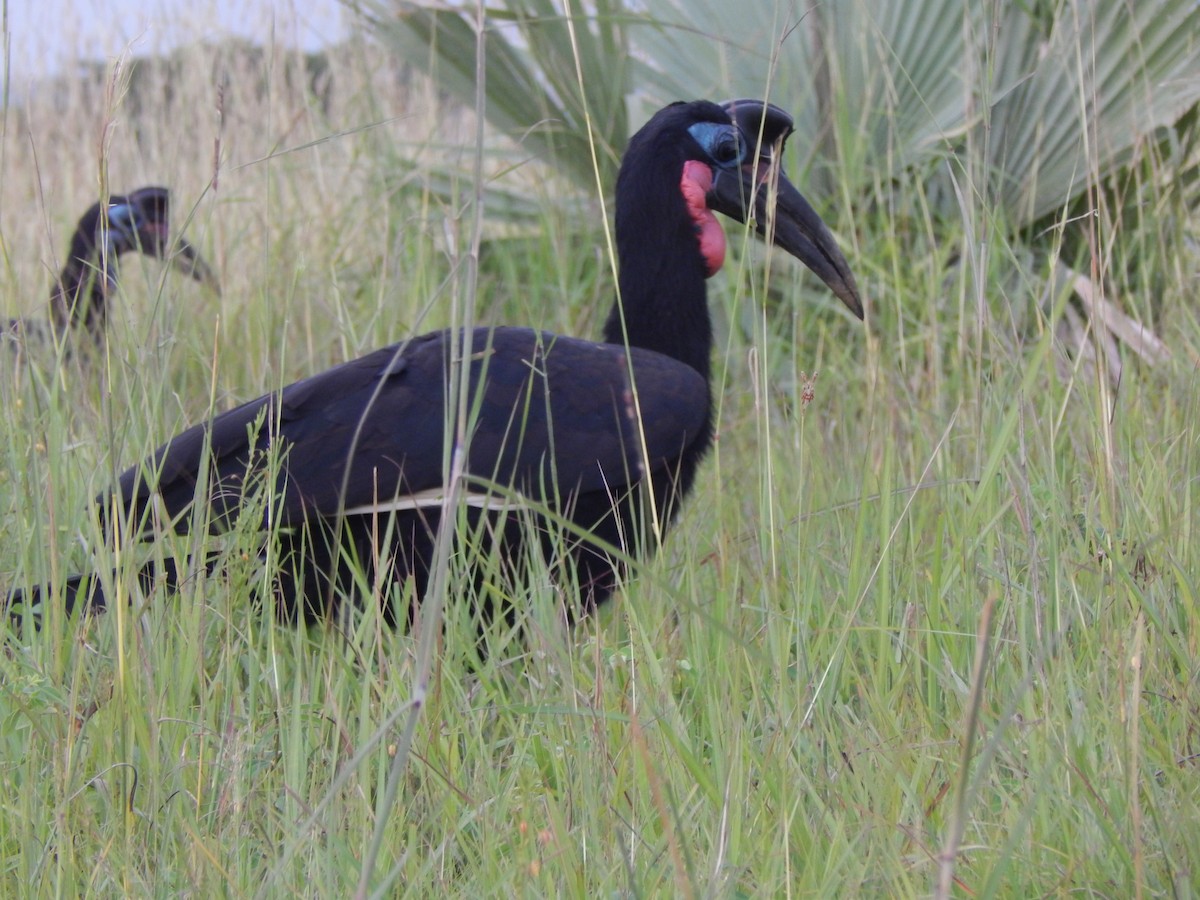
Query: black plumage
575, 430
137, 222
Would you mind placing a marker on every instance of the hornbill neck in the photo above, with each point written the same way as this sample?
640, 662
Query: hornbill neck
662, 304
78, 297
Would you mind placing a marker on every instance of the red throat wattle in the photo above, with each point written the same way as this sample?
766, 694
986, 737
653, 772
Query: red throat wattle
695, 184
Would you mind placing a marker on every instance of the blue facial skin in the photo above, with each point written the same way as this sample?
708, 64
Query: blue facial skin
120, 230
721, 142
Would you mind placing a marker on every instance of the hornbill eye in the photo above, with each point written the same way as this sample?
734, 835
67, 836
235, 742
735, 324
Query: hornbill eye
727, 149
721, 142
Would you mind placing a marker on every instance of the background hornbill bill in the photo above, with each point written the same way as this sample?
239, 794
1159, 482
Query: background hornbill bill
582, 431
140, 222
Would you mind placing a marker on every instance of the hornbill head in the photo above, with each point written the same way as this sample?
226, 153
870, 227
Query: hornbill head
141, 222
748, 191
137, 222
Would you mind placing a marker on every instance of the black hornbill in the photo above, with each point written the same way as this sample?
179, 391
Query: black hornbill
136, 222
579, 432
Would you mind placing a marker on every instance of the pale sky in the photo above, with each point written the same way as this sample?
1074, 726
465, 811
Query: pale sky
46, 36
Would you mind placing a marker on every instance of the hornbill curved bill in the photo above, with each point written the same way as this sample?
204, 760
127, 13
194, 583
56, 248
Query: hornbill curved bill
589, 438
140, 222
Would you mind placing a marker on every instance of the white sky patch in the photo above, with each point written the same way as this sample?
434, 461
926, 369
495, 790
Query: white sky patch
46, 37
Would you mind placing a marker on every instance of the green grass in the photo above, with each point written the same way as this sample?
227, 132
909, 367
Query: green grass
946, 611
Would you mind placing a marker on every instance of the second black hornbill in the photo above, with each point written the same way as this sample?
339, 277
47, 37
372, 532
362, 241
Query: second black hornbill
598, 441
139, 222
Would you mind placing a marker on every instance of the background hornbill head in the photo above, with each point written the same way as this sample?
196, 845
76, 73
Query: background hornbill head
137, 222
140, 222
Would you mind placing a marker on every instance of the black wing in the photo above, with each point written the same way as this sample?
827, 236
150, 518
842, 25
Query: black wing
548, 414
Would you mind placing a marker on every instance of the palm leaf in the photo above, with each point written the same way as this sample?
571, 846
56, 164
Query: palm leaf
1040, 101
534, 55
1108, 76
